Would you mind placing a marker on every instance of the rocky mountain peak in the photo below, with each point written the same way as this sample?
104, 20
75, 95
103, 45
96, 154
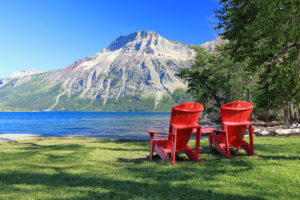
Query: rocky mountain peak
123, 40
149, 42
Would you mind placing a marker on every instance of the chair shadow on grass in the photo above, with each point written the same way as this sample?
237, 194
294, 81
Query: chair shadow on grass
140, 159
209, 165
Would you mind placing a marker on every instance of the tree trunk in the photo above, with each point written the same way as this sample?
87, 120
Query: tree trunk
248, 95
288, 118
291, 113
285, 117
217, 99
297, 115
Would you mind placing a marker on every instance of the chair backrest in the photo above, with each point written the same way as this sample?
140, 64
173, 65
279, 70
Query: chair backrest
184, 114
237, 111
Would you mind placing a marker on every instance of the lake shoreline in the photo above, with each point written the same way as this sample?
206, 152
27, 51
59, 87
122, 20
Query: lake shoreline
259, 132
12, 137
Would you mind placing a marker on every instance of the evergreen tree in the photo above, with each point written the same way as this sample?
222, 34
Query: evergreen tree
266, 33
215, 77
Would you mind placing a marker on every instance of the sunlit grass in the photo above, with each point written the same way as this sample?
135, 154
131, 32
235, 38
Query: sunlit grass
111, 169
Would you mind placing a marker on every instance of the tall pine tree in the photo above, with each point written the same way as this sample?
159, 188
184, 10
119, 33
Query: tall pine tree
216, 79
266, 33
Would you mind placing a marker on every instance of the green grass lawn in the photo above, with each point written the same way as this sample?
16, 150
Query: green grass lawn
112, 169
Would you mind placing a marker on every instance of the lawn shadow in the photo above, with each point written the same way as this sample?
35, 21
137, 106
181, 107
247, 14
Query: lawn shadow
114, 188
143, 179
268, 157
273, 151
31, 149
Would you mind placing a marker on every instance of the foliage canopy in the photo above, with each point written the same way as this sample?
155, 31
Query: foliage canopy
260, 62
215, 76
266, 33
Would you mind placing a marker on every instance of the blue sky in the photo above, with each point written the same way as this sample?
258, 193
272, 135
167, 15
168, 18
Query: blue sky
51, 34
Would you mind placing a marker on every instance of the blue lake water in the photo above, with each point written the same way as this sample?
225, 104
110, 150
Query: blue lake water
115, 125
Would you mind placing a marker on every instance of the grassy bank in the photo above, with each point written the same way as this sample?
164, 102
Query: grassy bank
113, 169
7, 109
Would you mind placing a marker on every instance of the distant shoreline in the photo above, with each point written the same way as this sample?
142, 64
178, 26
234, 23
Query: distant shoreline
82, 111
8, 109
12, 137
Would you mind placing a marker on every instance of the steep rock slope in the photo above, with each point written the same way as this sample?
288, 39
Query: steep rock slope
135, 72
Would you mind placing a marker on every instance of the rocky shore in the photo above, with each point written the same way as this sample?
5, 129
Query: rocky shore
280, 130
260, 128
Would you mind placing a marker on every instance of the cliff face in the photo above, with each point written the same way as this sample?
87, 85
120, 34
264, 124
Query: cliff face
137, 67
140, 63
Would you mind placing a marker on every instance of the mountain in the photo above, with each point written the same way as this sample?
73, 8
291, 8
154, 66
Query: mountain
25, 72
135, 72
19, 74
211, 46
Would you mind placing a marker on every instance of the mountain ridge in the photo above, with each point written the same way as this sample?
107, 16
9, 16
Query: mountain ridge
132, 70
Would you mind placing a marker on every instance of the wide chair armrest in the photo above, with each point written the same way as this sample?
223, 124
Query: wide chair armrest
209, 131
155, 132
176, 126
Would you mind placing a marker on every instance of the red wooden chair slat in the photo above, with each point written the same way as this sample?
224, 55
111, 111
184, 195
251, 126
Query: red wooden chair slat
184, 118
235, 120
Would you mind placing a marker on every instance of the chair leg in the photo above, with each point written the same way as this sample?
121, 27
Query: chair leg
247, 149
189, 151
227, 143
151, 150
251, 139
151, 145
160, 151
210, 141
173, 158
173, 151
191, 154
197, 147
221, 150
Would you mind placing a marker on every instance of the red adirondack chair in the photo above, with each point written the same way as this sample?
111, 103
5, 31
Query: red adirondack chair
235, 120
184, 118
